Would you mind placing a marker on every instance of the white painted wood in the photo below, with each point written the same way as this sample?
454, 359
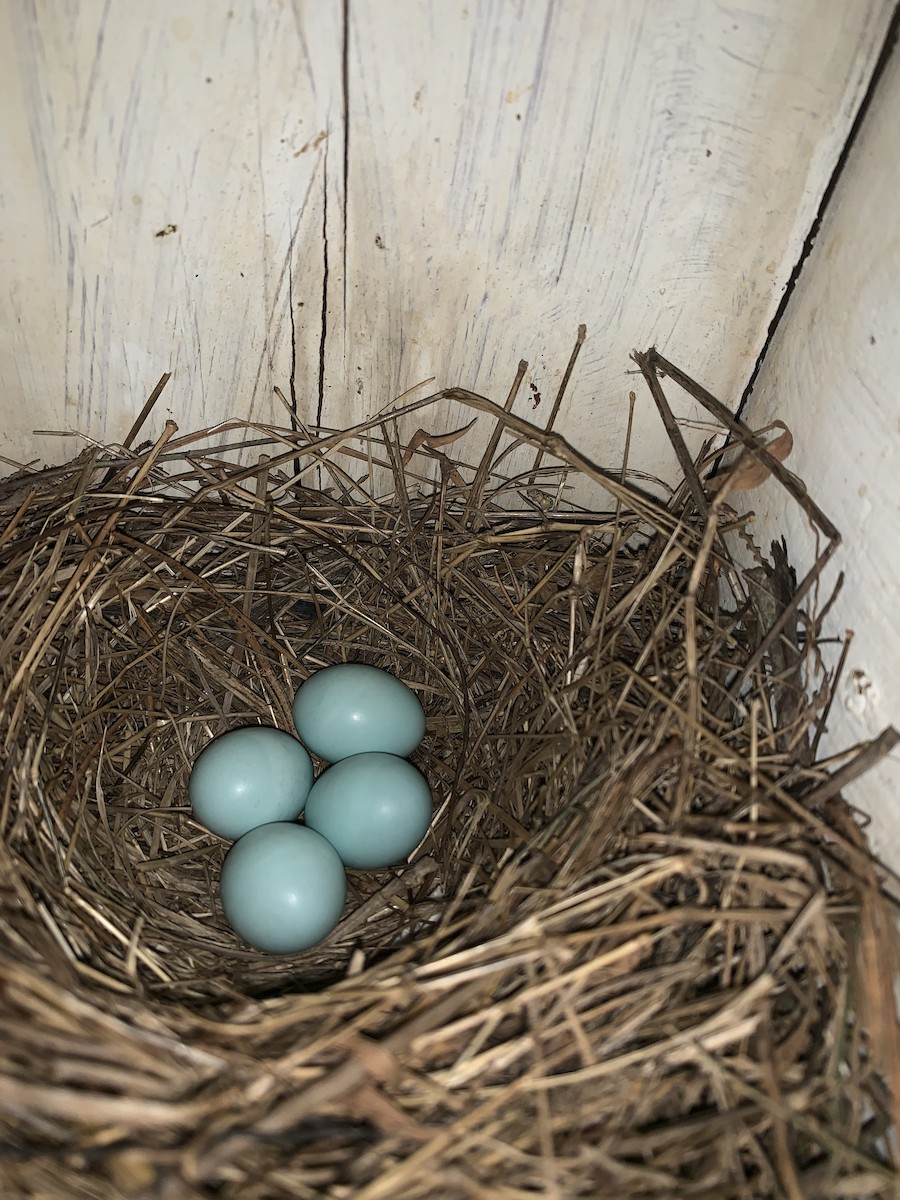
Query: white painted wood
831, 375
119, 122
512, 170
649, 169
452, 186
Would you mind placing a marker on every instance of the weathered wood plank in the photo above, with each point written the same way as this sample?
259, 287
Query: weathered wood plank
512, 170
651, 170
831, 375
165, 205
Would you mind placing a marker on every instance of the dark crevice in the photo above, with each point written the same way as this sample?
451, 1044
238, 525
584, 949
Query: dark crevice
323, 335
884, 58
293, 378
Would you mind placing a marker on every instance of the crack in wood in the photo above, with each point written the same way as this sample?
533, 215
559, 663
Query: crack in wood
292, 381
323, 336
345, 88
892, 37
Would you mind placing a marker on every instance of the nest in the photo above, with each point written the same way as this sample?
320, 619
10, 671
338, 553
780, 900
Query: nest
638, 953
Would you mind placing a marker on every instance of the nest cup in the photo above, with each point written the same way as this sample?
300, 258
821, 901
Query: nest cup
643, 950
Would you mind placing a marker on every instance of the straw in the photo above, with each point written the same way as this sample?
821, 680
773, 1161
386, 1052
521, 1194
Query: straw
644, 949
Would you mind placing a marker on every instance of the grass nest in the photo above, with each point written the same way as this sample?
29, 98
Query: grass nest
643, 951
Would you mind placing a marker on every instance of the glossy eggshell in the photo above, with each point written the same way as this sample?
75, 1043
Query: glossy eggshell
282, 888
249, 777
352, 708
373, 808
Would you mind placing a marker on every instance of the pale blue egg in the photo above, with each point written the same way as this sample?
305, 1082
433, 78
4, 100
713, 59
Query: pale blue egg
374, 809
352, 708
249, 777
282, 888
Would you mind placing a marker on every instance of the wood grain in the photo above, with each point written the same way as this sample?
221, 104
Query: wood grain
167, 209
348, 198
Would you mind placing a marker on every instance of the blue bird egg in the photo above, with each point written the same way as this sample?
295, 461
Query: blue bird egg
373, 808
249, 777
352, 708
282, 888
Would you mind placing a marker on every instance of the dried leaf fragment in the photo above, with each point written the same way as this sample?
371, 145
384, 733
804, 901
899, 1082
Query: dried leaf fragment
748, 471
433, 440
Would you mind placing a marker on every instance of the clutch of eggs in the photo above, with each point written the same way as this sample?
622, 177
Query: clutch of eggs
283, 885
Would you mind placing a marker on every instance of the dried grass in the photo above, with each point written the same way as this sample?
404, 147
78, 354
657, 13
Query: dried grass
644, 951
